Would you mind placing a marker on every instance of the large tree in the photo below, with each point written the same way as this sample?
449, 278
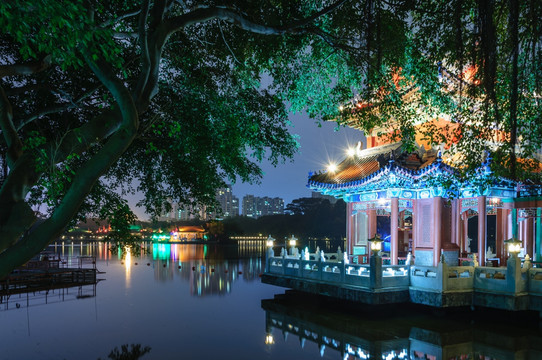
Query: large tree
165, 97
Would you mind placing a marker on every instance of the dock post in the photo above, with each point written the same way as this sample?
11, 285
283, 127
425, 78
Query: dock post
442, 273
320, 256
283, 252
513, 273
269, 255
375, 275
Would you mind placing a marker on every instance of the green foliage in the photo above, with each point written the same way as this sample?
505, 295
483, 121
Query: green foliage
59, 29
108, 98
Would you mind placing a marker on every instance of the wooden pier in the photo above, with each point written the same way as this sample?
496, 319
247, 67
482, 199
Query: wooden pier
48, 272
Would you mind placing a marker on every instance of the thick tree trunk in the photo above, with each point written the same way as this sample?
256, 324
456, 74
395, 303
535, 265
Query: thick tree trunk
22, 244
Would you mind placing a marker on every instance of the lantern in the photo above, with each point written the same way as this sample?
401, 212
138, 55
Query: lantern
514, 246
376, 244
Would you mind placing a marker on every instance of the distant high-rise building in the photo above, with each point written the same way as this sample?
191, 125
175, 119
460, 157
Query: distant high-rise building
254, 206
249, 206
169, 215
235, 206
183, 213
229, 204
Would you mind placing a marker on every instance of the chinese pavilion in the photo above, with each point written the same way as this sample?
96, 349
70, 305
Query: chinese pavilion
393, 193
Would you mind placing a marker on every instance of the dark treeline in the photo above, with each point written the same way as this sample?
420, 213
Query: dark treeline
306, 217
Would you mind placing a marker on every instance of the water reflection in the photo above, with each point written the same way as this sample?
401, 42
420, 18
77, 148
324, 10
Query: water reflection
128, 266
134, 352
204, 267
386, 334
210, 269
13, 299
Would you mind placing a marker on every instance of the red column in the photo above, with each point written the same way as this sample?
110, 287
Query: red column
437, 224
414, 225
371, 220
349, 228
505, 233
465, 233
529, 233
456, 223
499, 236
482, 219
394, 229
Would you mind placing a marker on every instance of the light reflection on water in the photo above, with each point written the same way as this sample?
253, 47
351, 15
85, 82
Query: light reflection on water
390, 333
200, 301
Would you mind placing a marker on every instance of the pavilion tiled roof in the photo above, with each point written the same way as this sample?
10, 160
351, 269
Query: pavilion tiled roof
369, 161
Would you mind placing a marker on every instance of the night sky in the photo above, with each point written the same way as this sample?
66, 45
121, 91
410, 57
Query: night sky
318, 146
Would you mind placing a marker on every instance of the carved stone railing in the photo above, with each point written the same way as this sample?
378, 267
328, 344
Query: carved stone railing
372, 276
442, 277
460, 278
512, 279
535, 281
395, 276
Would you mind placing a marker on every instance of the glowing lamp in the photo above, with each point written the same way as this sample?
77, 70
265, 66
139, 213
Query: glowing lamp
514, 246
351, 151
270, 241
269, 340
292, 241
376, 244
332, 168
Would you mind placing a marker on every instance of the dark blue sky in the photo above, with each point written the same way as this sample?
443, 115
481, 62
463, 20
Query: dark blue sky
318, 146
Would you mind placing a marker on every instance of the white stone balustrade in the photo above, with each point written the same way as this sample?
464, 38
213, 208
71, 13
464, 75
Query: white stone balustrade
512, 279
535, 281
334, 270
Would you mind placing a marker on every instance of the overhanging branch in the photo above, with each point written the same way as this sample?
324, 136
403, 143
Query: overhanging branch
25, 69
56, 109
13, 142
206, 14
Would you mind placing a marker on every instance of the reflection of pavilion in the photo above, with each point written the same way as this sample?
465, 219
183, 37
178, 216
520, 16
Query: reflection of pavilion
394, 337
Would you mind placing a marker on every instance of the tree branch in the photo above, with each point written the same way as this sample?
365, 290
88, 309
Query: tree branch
120, 17
25, 69
144, 46
13, 142
56, 109
200, 15
125, 35
232, 16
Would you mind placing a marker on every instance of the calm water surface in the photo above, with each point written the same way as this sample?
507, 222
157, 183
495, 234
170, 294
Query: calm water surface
166, 300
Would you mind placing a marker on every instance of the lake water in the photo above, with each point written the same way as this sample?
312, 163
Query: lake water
167, 301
